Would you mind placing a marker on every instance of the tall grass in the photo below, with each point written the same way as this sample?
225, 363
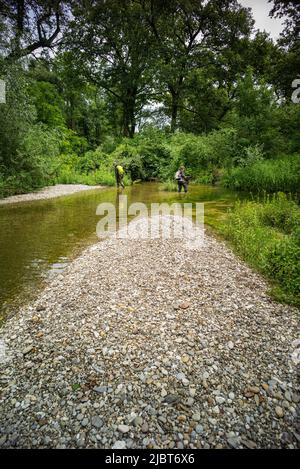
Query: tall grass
99, 177
169, 186
267, 235
268, 175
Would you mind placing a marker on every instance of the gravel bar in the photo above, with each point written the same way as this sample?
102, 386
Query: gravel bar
49, 192
150, 344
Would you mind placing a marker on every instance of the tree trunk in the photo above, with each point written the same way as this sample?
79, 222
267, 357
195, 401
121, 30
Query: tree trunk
174, 108
175, 91
129, 103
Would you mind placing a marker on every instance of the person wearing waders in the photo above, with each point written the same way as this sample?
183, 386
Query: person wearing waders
181, 179
119, 173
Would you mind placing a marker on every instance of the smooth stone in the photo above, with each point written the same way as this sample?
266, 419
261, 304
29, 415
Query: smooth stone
171, 398
220, 400
119, 445
100, 389
137, 421
145, 427
180, 376
97, 421
233, 441
279, 411
199, 429
123, 428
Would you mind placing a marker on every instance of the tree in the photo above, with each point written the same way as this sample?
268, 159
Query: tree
291, 11
113, 41
190, 34
254, 115
30, 25
287, 67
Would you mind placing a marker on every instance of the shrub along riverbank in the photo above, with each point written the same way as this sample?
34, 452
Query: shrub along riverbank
266, 234
282, 174
62, 157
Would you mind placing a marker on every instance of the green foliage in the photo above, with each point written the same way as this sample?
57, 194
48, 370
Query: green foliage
287, 121
169, 186
37, 155
48, 103
73, 143
254, 115
249, 156
68, 175
267, 235
214, 93
204, 178
17, 115
91, 168
281, 213
28, 149
144, 157
283, 261
200, 155
267, 175
38, 151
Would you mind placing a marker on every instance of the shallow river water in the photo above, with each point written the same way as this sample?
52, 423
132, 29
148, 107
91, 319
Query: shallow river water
38, 239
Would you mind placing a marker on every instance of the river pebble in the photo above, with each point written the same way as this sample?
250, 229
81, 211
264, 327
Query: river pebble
112, 361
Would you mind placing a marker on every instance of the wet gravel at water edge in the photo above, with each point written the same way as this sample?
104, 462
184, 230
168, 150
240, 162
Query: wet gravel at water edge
150, 344
49, 192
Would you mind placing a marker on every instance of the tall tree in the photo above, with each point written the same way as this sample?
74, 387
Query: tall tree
113, 41
288, 9
287, 68
29, 25
189, 35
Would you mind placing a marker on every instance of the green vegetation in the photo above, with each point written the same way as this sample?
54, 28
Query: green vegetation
154, 85
190, 76
282, 174
266, 234
169, 186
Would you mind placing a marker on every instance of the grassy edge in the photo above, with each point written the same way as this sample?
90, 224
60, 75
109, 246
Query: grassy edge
274, 290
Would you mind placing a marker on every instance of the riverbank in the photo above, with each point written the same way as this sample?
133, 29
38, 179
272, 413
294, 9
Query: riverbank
131, 348
49, 192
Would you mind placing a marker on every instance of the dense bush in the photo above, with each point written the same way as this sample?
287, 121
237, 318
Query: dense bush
283, 260
267, 175
267, 235
17, 116
70, 176
155, 155
92, 168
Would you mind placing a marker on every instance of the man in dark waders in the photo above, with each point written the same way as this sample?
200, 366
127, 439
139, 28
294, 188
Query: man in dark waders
119, 173
181, 179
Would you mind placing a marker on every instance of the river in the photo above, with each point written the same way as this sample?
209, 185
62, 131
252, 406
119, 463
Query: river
38, 239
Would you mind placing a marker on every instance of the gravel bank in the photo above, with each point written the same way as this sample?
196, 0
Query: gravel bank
49, 192
131, 348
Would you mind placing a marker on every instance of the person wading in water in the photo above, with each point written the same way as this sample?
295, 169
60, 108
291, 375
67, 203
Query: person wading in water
182, 179
119, 173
